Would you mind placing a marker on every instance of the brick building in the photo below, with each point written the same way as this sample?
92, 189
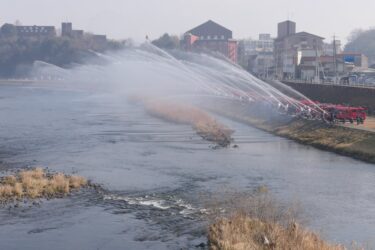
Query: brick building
214, 37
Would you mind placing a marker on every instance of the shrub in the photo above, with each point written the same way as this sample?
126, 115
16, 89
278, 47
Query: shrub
36, 183
204, 124
240, 232
260, 222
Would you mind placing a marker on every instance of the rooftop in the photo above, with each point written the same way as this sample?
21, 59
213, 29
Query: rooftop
210, 28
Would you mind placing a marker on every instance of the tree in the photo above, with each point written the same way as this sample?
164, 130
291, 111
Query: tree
362, 41
18, 52
167, 42
8, 31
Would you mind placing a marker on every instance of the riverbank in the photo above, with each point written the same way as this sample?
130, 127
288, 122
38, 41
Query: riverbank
355, 143
10, 81
260, 221
240, 232
369, 125
37, 183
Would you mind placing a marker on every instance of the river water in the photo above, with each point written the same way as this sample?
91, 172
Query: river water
156, 174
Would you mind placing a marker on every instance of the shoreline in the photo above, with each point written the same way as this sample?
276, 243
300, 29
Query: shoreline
354, 143
10, 81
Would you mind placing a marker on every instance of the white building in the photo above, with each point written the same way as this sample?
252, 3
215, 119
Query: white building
257, 55
263, 44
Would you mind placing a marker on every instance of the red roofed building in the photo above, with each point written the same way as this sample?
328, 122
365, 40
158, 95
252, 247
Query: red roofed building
214, 37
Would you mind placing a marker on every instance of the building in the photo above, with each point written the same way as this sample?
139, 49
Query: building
213, 37
67, 31
100, 39
257, 55
305, 56
264, 44
262, 64
323, 66
285, 29
289, 48
33, 31
358, 60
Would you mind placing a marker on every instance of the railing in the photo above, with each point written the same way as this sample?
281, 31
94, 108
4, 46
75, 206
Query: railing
322, 82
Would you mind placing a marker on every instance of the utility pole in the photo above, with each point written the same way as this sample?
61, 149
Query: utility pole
317, 71
317, 59
334, 58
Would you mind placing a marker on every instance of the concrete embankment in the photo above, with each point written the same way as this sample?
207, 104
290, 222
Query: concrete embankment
337, 94
358, 144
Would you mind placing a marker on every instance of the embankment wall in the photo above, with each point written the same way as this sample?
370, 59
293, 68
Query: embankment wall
356, 96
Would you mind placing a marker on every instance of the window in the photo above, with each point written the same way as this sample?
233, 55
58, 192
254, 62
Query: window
222, 37
208, 37
202, 37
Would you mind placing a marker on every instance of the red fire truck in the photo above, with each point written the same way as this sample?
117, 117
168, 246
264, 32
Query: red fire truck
344, 114
339, 113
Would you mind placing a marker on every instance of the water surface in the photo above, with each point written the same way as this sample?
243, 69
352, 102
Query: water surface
156, 174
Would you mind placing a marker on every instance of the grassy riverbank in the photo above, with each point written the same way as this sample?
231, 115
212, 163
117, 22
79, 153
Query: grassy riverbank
355, 143
259, 221
240, 232
36, 183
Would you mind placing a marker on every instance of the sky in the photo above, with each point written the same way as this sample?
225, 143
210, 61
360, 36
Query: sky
121, 19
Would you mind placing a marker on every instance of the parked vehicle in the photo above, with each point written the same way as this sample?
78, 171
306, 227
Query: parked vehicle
339, 113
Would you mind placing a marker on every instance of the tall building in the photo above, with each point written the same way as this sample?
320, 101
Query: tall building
214, 37
285, 29
67, 31
289, 49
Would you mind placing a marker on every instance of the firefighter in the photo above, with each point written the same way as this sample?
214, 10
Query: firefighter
332, 116
358, 119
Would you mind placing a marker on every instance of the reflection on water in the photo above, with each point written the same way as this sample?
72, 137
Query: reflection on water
155, 174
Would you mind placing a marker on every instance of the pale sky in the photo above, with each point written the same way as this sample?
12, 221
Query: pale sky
246, 18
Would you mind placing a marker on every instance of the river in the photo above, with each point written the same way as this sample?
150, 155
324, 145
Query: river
156, 175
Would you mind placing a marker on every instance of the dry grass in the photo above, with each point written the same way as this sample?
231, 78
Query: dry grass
36, 183
204, 124
260, 222
241, 232
260, 204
